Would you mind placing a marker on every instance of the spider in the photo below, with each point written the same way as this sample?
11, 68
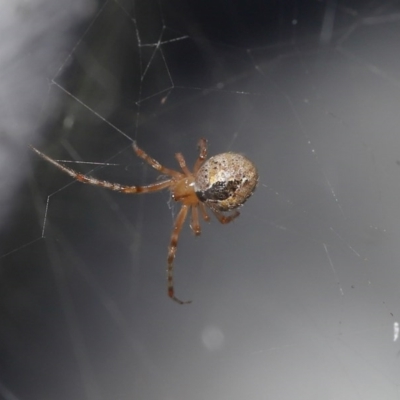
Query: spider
222, 183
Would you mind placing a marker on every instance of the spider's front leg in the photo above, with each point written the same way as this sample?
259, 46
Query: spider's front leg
153, 187
180, 219
154, 163
202, 155
195, 224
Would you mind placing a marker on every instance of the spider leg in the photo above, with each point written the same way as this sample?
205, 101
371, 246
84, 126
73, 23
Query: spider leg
202, 145
195, 224
180, 219
225, 219
182, 164
154, 187
204, 212
154, 163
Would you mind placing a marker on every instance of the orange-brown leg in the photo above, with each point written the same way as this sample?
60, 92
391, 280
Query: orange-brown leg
180, 219
225, 219
154, 187
182, 164
202, 154
195, 224
154, 163
204, 212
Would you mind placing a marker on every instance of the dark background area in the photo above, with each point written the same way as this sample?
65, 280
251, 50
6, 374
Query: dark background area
298, 297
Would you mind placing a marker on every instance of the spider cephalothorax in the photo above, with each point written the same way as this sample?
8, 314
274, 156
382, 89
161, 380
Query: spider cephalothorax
222, 183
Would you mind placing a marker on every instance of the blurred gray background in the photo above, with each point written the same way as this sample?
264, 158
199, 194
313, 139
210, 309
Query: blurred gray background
299, 298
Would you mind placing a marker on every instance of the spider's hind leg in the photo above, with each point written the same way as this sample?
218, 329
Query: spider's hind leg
225, 219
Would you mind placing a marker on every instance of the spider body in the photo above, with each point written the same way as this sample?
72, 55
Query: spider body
222, 183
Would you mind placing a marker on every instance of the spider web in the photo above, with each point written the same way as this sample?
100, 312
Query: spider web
295, 299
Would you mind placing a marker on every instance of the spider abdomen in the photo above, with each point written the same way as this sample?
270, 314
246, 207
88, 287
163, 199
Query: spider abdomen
224, 182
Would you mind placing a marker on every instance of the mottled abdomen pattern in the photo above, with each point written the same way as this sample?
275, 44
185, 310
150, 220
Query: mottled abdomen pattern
224, 182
